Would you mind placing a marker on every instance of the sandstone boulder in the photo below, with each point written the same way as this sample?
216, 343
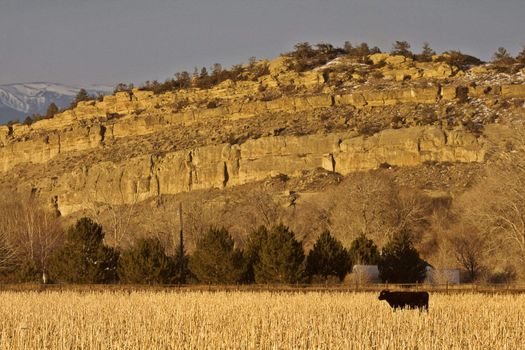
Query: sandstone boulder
378, 57
141, 95
436, 70
397, 59
478, 70
513, 91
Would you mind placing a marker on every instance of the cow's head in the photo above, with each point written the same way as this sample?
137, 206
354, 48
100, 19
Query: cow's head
384, 293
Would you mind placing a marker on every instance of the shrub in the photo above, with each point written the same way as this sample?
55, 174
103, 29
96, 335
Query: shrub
328, 258
400, 261
462, 94
459, 59
216, 260
84, 258
503, 61
27, 271
257, 69
146, 262
377, 75
507, 275
304, 57
369, 128
179, 105
123, 87
502, 57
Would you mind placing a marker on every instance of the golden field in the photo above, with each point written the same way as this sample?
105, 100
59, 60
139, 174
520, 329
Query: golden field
255, 320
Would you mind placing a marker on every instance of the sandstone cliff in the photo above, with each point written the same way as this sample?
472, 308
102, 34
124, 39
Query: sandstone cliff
136, 145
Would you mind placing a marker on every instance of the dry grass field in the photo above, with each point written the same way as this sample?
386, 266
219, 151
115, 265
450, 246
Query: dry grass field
255, 320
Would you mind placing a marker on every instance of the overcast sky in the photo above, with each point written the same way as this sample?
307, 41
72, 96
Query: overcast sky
110, 41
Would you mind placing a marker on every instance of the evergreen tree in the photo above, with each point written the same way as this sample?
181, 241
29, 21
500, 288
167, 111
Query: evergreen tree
252, 252
84, 258
52, 109
216, 260
303, 51
204, 73
82, 95
375, 50
181, 263
502, 57
328, 258
146, 263
363, 50
401, 48
28, 121
281, 258
521, 57
364, 251
348, 47
426, 53
183, 80
400, 261
216, 69
324, 48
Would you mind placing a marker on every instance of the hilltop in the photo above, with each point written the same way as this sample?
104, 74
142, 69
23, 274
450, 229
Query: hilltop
276, 138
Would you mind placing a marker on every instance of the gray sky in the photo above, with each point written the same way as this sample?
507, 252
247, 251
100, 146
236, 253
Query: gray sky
110, 41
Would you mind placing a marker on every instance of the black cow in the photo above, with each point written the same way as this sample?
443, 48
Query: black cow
408, 300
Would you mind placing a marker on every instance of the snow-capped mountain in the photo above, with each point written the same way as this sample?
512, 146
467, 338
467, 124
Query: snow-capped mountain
20, 100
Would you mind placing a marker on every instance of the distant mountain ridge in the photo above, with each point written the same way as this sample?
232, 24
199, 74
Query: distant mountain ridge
22, 99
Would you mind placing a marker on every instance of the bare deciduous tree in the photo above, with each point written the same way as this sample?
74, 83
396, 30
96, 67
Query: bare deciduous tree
308, 220
469, 247
7, 252
33, 232
115, 215
198, 216
372, 204
496, 204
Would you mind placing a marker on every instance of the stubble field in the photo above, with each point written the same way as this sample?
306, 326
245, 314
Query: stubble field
255, 320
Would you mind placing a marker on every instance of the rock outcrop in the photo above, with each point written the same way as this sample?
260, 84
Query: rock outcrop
222, 165
138, 145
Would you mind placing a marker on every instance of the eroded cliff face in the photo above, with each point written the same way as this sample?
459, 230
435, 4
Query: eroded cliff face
136, 145
217, 166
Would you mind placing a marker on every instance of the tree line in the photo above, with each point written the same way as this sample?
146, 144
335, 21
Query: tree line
272, 255
306, 56
303, 57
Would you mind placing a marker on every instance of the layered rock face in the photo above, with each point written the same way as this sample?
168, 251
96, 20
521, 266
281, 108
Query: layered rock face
136, 145
224, 165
